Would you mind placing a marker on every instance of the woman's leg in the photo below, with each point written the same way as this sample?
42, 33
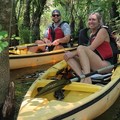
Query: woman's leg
84, 62
75, 66
90, 60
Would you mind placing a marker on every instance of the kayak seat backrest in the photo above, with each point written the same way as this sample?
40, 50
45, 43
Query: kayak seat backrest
101, 78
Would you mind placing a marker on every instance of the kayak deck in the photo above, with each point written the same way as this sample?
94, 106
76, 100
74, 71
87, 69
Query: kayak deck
81, 101
72, 92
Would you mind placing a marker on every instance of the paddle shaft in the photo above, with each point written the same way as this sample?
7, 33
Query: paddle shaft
24, 47
59, 84
99, 71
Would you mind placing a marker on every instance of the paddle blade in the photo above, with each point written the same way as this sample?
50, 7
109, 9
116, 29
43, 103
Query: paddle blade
53, 86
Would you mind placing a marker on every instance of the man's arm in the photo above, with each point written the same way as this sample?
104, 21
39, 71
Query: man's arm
65, 39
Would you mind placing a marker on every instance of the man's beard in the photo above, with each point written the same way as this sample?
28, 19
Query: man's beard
57, 21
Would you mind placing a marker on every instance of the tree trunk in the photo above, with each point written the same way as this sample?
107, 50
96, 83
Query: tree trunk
36, 20
4, 16
6, 104
26, 21
114, 13
4, 75
7, 88
36, 25
14, 25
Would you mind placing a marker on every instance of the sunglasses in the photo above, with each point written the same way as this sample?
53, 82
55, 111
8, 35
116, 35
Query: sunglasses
57, 15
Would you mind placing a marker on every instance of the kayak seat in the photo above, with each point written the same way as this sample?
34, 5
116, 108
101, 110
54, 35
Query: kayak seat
101, 78
96, 78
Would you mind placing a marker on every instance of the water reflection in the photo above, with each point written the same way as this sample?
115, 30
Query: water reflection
31, 72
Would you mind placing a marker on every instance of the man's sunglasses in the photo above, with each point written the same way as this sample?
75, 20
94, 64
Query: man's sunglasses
55, 15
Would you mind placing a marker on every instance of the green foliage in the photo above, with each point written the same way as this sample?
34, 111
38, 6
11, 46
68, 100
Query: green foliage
115, 24
3, 44
45, 21
15, 37
24, 35
71, 10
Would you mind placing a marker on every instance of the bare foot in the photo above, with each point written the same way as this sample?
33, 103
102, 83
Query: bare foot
87, 80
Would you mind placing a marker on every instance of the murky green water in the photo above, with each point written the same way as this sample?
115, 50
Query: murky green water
113, 113
23, 79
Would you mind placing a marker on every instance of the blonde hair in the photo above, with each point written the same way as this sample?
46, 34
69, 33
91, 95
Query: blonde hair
99, 17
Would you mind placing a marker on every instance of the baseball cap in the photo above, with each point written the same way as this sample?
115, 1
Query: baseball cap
56, 11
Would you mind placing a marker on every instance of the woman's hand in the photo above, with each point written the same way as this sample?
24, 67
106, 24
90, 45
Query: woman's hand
68, 55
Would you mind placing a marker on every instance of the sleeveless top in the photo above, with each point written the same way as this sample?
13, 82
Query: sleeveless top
104, 50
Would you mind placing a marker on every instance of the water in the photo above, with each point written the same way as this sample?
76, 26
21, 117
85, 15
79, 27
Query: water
113, 113
23, 79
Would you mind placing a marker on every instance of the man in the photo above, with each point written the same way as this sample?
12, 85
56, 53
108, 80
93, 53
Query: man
57, 35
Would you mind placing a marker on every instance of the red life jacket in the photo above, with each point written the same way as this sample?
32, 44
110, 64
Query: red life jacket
104, 50
58, 33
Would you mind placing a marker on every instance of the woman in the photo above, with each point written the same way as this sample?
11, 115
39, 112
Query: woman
95, 56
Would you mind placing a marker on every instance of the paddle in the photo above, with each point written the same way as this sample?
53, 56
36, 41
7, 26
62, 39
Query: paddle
59, 84
27, 46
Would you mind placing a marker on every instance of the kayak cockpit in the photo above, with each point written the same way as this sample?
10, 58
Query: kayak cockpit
72, 93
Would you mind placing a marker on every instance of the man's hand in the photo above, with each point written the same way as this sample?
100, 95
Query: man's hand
56, 42
48, 42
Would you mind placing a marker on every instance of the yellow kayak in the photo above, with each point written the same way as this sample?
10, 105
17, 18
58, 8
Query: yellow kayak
81, 101
21, 58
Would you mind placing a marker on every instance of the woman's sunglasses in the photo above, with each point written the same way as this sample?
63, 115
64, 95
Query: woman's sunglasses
57, 15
